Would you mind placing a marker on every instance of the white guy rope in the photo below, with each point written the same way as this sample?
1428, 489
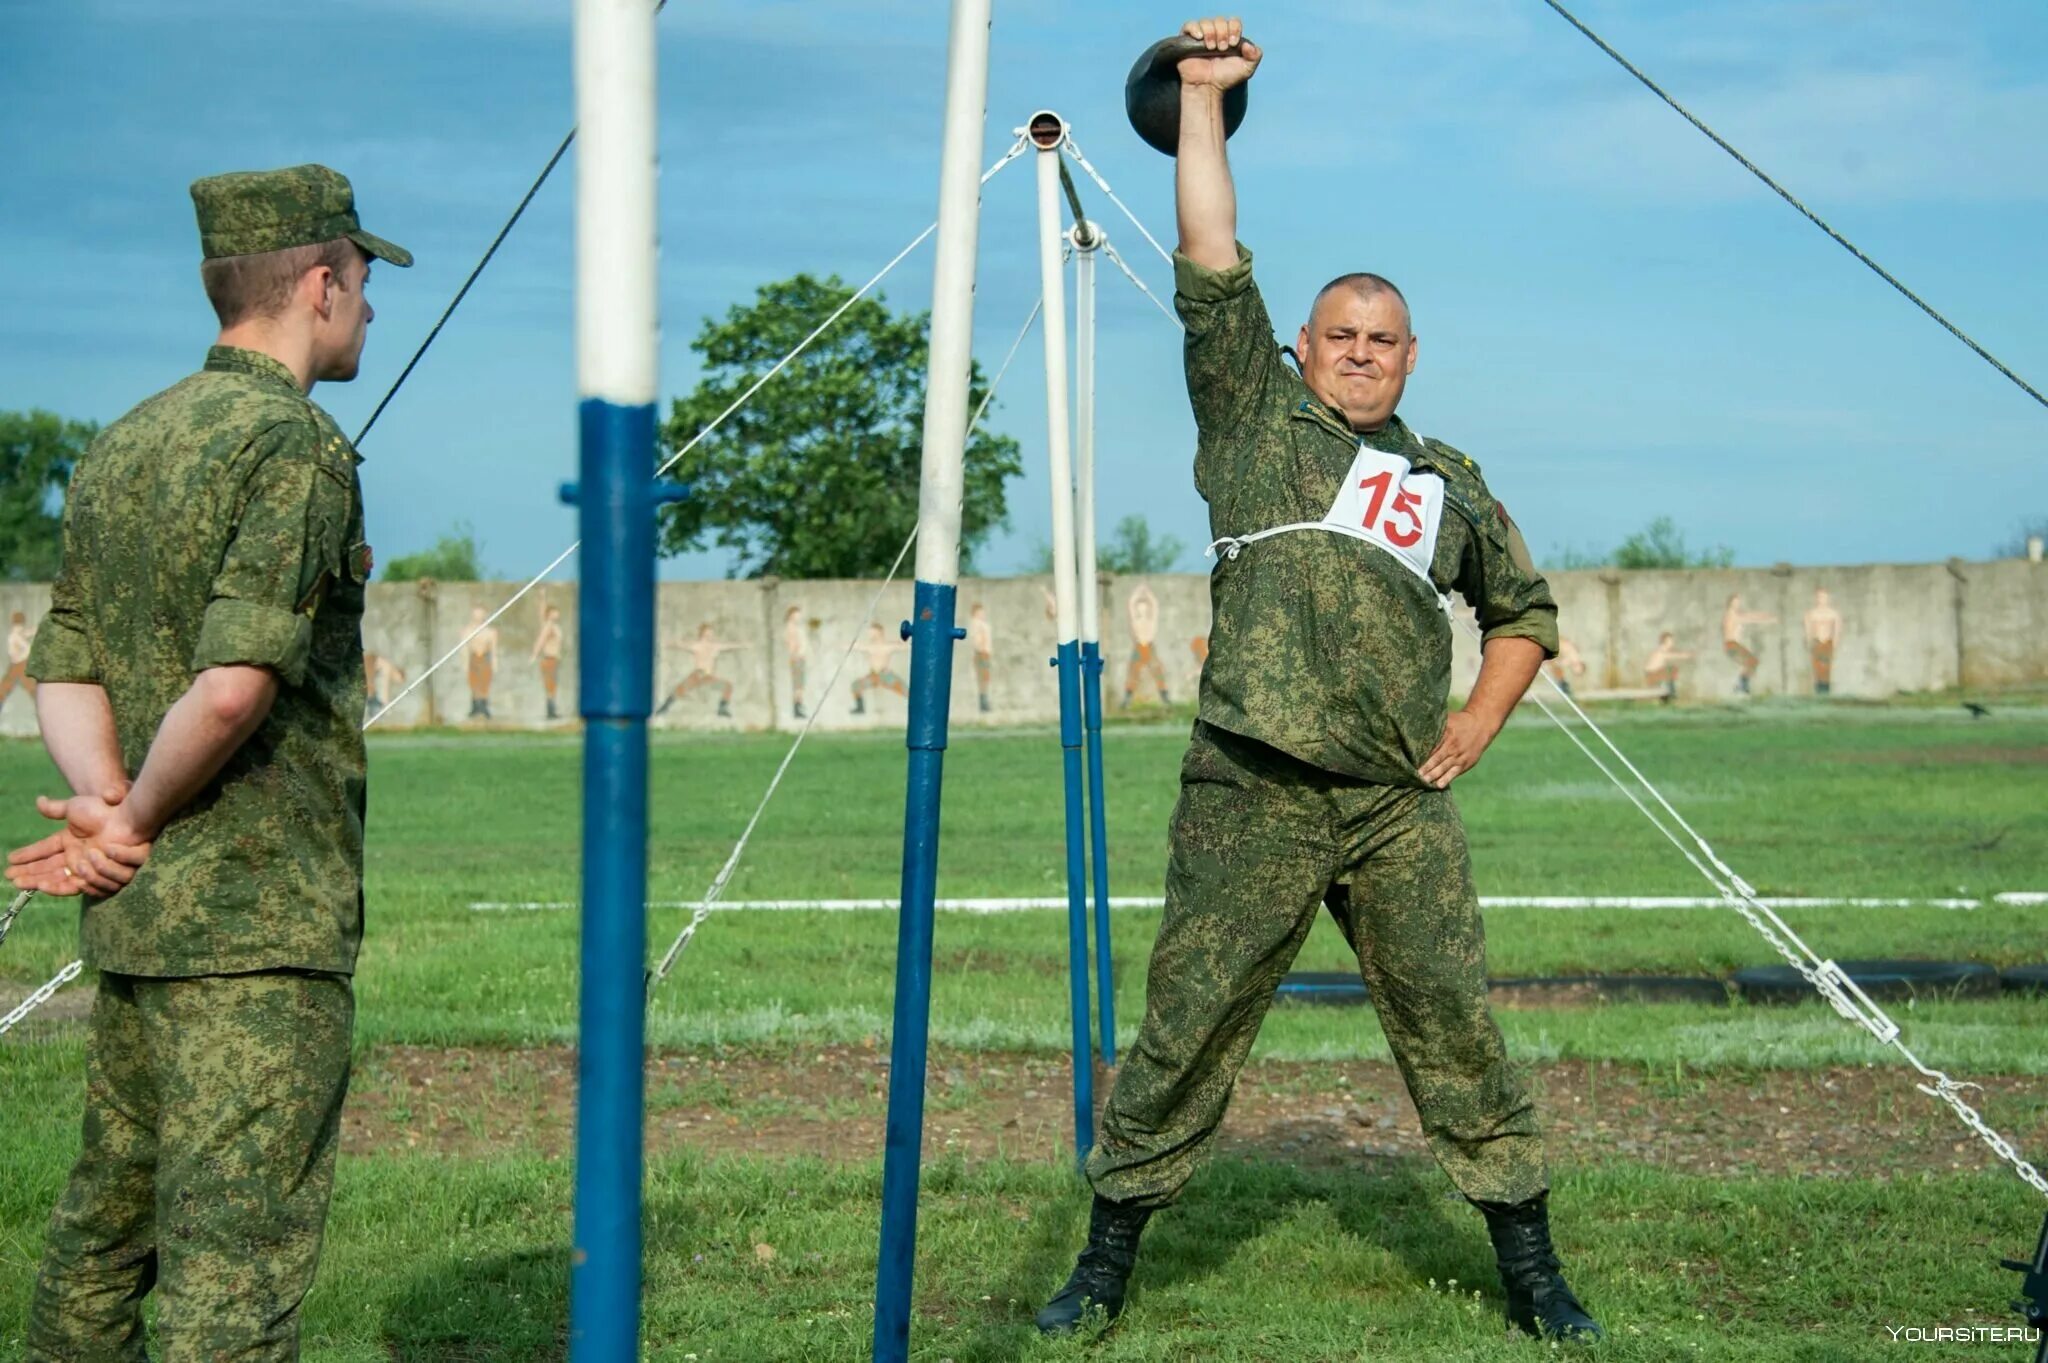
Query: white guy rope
1825, 976
1132, 275
1016, 150
725, 872
1073, 148
41, 996
1029, 903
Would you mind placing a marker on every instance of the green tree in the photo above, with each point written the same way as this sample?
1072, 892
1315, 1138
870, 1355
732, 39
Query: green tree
1660, 544
453, 558
817, 476
37, 452
2016, 547
1131, 548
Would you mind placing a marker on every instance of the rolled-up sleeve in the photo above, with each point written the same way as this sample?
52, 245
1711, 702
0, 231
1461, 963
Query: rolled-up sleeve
1510, 597
1231, 360
63, 649
287, 544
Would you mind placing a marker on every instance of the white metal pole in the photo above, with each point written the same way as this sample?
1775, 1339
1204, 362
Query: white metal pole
1088, 240
1045, 131
952, 335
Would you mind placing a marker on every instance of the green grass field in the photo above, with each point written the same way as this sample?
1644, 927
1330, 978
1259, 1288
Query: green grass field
450, 1224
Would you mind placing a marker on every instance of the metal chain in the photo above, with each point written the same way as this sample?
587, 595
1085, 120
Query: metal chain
13, 912
1826, 977
41, 996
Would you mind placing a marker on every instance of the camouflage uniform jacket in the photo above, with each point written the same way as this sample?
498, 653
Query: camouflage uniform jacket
221, 522
1324, 646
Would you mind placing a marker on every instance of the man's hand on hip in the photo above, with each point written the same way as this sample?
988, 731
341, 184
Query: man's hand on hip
1459, 750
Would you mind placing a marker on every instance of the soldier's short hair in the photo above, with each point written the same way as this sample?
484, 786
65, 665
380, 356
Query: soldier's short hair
1366, 283
244, 288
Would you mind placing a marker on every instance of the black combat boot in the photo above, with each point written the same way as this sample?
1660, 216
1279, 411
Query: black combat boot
1539, 1302
1098, 1279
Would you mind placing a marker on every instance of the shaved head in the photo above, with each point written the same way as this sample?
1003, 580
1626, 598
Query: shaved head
1365, 284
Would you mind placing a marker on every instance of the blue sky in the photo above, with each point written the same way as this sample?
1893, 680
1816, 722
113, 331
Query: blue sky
1616, 321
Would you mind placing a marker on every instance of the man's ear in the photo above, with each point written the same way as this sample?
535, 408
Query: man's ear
1414, 349
316, 289
1301, 341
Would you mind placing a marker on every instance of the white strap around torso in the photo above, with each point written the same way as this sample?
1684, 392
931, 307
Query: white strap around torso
1382, 501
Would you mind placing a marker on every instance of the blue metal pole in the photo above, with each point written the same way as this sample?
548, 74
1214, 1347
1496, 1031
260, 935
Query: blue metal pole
931, 634
1098, 836
616, 654
1069, 663
617, 344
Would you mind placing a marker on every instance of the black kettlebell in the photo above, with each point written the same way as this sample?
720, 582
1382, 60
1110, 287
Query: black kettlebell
1152, 93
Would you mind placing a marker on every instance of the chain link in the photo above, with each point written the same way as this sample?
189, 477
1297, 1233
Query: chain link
41, 996
1827, 978
13, 912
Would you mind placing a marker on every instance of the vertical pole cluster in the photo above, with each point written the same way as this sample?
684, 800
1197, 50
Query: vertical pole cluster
1047, 132
616, 344
1088, 241
931, 633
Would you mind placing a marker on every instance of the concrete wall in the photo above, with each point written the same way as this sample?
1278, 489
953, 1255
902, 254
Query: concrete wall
726, 659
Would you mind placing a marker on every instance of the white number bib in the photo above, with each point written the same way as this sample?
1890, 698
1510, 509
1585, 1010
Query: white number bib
1381, 501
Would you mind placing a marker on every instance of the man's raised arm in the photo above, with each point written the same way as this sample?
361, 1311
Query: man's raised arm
1205, 199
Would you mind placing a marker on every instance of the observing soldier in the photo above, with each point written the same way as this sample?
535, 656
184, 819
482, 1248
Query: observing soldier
205, 634
1319, 767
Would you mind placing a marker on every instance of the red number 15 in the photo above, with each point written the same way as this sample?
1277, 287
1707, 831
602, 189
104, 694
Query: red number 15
1406, 504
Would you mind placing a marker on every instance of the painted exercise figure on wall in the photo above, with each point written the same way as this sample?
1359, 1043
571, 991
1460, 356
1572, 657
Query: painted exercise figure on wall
880, 649
981, 640
798, 643
705, 650
547, 652
1734, 619
1823, 626
1661, 668
483, 662
1567, 664
1143, 609
379, 673
19, 638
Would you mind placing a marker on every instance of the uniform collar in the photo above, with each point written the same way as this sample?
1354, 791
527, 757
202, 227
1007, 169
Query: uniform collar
229, 359
1396, 437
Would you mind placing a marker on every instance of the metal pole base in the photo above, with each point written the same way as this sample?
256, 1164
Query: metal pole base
1098, 837
1068, 661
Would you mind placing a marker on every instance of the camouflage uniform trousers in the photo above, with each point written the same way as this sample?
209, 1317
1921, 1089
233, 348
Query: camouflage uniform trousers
1259, 842
213, 1107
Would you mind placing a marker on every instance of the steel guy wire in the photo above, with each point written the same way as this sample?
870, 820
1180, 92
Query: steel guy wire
725, 872
1886, 275
517, 213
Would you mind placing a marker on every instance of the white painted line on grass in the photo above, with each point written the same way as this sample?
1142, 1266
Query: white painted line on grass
2011, 899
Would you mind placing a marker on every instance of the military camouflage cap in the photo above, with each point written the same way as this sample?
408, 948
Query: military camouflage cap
251, 211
